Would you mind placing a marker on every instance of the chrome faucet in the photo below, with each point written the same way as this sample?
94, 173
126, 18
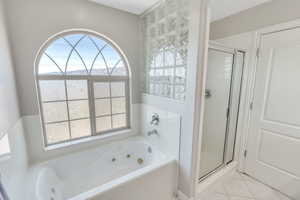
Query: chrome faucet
155, 119
153, 132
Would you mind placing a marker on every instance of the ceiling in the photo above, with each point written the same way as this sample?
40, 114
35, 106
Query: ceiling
132, 6
220, 8
224, 8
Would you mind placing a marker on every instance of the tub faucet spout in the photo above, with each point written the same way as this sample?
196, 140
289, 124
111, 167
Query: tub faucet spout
153, 132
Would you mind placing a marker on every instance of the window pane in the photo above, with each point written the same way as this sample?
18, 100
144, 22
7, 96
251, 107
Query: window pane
79, 109
117, 89
98, 42
119, 121
118, 105
111, 56
77, 89
99, 67
53, 90
101, 90
47, 66
76, 65
4, 145
80, 128
103, 124
87, 51
55, 112
119, 70
74, 38
57, 132
102, 107
59, 51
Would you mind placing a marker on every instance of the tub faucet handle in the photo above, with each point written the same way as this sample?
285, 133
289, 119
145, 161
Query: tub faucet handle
155, 119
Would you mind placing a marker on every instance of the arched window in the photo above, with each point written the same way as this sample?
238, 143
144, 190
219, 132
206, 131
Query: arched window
83, 87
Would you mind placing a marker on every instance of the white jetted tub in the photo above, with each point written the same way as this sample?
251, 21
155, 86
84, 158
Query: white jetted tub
131, 169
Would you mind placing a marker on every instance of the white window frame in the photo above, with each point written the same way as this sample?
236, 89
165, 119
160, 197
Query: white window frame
91, 79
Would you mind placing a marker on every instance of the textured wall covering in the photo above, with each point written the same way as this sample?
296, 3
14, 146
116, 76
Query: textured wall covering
166, 38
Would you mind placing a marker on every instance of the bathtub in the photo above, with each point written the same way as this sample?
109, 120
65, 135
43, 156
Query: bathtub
131, 169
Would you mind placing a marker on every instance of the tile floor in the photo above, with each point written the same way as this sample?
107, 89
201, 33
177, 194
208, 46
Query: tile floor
241, 187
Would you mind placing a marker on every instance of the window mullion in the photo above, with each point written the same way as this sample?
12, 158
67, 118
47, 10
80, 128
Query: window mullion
127, 99
111, 112
67, 102
92, 107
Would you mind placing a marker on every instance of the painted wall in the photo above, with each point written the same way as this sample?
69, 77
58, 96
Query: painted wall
9, 110
32, 22
12, 168
275, 12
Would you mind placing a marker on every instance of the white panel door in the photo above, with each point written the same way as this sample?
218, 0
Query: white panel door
274, 141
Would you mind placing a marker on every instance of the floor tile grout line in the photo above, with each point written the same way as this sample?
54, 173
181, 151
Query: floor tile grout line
229, 196
247, 186
257, 181
246, 180
242, 179
248, 198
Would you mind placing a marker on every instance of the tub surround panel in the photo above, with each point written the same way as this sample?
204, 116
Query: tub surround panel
169, 129
14, 169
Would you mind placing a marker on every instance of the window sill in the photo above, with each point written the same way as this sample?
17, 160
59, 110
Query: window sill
106, 138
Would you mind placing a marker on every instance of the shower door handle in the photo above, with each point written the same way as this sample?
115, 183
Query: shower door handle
207, 93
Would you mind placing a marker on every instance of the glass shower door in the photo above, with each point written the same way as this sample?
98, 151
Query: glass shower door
216, 111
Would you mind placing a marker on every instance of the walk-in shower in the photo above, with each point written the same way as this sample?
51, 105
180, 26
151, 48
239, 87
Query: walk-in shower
222, 96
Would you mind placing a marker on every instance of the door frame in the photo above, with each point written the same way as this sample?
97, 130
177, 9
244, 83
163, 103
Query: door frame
249, 94
237, 144
221, 48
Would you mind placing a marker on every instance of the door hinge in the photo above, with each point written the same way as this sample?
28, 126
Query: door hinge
251, 106
176, 196
245, 153
257, 52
